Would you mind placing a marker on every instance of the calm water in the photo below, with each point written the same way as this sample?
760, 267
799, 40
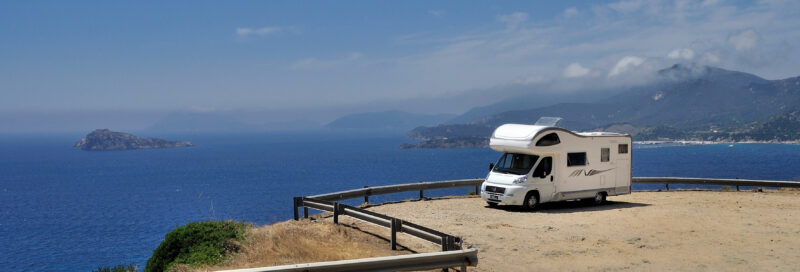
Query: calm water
66, 209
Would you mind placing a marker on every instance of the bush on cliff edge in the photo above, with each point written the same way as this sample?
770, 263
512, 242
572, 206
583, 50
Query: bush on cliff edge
196, 244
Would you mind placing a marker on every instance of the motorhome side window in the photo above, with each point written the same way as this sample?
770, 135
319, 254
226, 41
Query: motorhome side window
519, 164
605, 154
623, 149
544, 168
576, 159
548, 140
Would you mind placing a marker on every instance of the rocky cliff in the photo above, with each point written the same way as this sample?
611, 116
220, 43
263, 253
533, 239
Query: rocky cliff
104, 139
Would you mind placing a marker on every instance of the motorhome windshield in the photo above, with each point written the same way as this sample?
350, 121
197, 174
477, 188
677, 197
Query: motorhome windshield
519, 164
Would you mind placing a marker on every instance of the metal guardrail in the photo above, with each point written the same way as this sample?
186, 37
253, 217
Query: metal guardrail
711, 181
422, 186
397, 188
447, 241
421, 261
326, 202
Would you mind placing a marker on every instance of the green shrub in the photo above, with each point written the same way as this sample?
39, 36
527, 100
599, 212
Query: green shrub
117, 268
196, 244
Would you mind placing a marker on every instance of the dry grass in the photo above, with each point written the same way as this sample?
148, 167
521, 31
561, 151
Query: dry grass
293, 242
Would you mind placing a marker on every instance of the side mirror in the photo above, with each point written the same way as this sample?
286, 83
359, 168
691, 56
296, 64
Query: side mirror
491, 166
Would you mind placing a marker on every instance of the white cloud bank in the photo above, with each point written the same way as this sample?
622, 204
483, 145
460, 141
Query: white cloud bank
745, 40
625, 64
575, 70
683, 53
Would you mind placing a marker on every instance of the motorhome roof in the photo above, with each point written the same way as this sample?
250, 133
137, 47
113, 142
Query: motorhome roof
528, 132
518, 131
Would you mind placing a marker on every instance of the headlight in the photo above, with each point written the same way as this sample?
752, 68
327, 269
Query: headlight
520, 179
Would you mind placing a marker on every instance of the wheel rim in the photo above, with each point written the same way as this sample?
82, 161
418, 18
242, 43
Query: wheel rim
598, 198
532, 201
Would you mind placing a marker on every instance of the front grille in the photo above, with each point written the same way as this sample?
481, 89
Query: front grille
494, 189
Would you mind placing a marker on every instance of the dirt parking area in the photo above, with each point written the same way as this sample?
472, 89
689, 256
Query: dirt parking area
676, 230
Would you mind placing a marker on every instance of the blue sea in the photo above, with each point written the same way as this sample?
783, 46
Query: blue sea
63, 209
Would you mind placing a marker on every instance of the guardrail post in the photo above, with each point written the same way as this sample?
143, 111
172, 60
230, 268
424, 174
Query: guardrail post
297, 201
336, 213
477, 190
444, 243
667, 184
396, 226
366, 195
421, 194
305, 212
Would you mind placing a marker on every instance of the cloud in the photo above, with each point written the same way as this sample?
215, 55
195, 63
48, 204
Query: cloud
618, 50
569, 12
624, 64
744, 40
575, 70
246, 31
513, 20
710, 58
683, 53
437, 13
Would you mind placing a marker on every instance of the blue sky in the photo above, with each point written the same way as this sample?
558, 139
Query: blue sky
295, 56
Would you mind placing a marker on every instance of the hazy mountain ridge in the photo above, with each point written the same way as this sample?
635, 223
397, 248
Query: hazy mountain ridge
686, 102
387, 120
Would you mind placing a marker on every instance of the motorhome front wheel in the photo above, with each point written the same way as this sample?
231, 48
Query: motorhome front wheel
531, 201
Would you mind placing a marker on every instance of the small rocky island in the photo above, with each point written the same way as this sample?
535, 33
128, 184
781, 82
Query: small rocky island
104, 139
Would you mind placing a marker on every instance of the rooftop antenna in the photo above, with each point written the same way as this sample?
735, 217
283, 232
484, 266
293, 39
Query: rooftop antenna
548, 121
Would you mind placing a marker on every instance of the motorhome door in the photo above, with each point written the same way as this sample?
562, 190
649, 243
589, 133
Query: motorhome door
623, 161
544, 172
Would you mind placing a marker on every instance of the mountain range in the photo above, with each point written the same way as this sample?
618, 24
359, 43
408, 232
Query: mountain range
387, 120
685, 102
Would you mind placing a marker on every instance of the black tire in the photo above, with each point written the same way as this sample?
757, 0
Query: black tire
531, 201
600, 198
492, 204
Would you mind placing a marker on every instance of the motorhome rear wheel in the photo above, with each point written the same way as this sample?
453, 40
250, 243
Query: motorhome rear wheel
600, 198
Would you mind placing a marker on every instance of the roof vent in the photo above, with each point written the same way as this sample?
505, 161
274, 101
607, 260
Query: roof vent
548, 121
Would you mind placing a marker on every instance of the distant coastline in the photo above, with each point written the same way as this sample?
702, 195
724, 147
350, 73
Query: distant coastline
475, 142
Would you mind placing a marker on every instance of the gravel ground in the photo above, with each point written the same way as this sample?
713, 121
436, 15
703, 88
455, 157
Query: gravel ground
675, 230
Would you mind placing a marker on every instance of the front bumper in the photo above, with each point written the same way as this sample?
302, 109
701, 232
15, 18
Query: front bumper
513, 194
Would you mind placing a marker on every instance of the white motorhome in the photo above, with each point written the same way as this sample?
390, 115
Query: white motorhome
545, 163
